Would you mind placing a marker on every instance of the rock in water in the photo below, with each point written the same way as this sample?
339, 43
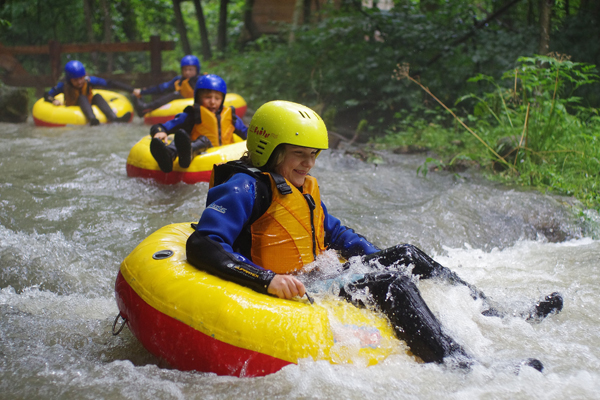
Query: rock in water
14, 104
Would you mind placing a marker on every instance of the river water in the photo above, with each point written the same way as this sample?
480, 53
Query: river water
69, 215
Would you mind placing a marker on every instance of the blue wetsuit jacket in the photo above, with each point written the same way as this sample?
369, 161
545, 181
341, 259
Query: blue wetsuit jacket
94, 81
165, 87
229, 208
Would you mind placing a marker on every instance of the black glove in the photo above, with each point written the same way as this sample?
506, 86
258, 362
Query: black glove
157, 128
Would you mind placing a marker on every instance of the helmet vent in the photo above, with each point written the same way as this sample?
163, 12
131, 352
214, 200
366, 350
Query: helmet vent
260, 147
304, 115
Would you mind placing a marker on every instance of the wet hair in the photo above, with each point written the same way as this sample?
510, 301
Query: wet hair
246, 159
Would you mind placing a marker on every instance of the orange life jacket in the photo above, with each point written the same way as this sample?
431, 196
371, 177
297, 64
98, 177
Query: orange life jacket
218, 131
184, 87
72, 94
291, 232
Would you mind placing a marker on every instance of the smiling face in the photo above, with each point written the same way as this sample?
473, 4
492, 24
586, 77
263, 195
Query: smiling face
211, 99
188, 71
297, 162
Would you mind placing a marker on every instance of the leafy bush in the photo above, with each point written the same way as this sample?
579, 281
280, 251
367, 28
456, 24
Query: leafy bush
530, 128
343, 64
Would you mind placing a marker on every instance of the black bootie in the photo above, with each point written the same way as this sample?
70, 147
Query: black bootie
163, 154
552, 304
186, 149
124, 118
140, 107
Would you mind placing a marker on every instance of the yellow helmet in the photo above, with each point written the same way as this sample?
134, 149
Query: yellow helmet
279, 122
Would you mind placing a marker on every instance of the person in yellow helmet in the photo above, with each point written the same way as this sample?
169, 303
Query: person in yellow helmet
265, 221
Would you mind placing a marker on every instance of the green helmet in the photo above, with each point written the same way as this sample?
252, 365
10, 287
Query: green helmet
283, 122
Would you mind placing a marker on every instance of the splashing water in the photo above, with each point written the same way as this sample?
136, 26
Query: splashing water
69, 215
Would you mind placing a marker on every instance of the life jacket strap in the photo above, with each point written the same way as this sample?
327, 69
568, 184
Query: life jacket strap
281, 184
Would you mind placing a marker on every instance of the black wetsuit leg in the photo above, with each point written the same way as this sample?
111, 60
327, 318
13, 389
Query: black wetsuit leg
162, 100
423, 265
186, 149
86, 108
99, 101
142, 108
399, 299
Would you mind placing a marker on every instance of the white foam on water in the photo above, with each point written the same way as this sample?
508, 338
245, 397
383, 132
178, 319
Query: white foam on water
68, 218
36, 302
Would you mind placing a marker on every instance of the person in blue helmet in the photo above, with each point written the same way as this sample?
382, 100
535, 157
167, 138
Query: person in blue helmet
200, 126
180, 87
265, 223
78, 90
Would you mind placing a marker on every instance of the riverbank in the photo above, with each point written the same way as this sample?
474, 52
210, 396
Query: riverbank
575, 171
528, 129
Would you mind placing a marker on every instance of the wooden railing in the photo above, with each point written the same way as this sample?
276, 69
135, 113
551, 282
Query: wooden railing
16, 75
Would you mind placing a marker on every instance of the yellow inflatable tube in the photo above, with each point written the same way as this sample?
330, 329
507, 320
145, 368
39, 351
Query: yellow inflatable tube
141, 164
47, 114
196, 321
171, 109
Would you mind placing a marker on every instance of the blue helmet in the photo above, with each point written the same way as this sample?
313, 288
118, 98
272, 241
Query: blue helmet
191, 60
210, 82
74, 69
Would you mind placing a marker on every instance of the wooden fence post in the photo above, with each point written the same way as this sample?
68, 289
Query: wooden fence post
155, 56
55, 65
17, 76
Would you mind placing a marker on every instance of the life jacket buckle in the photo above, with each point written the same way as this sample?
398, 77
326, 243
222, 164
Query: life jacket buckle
284, 188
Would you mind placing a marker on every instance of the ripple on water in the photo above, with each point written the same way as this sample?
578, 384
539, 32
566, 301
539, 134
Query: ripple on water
69, 215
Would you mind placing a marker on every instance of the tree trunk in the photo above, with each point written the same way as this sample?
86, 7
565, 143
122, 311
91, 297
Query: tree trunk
181, 27
129, 22
545, 12
351, 5
222, 31
318, 10
306, 16
87, 12
298, 9
591, 7
206, 51
530, 13
249, 24
107, 33
429, 5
